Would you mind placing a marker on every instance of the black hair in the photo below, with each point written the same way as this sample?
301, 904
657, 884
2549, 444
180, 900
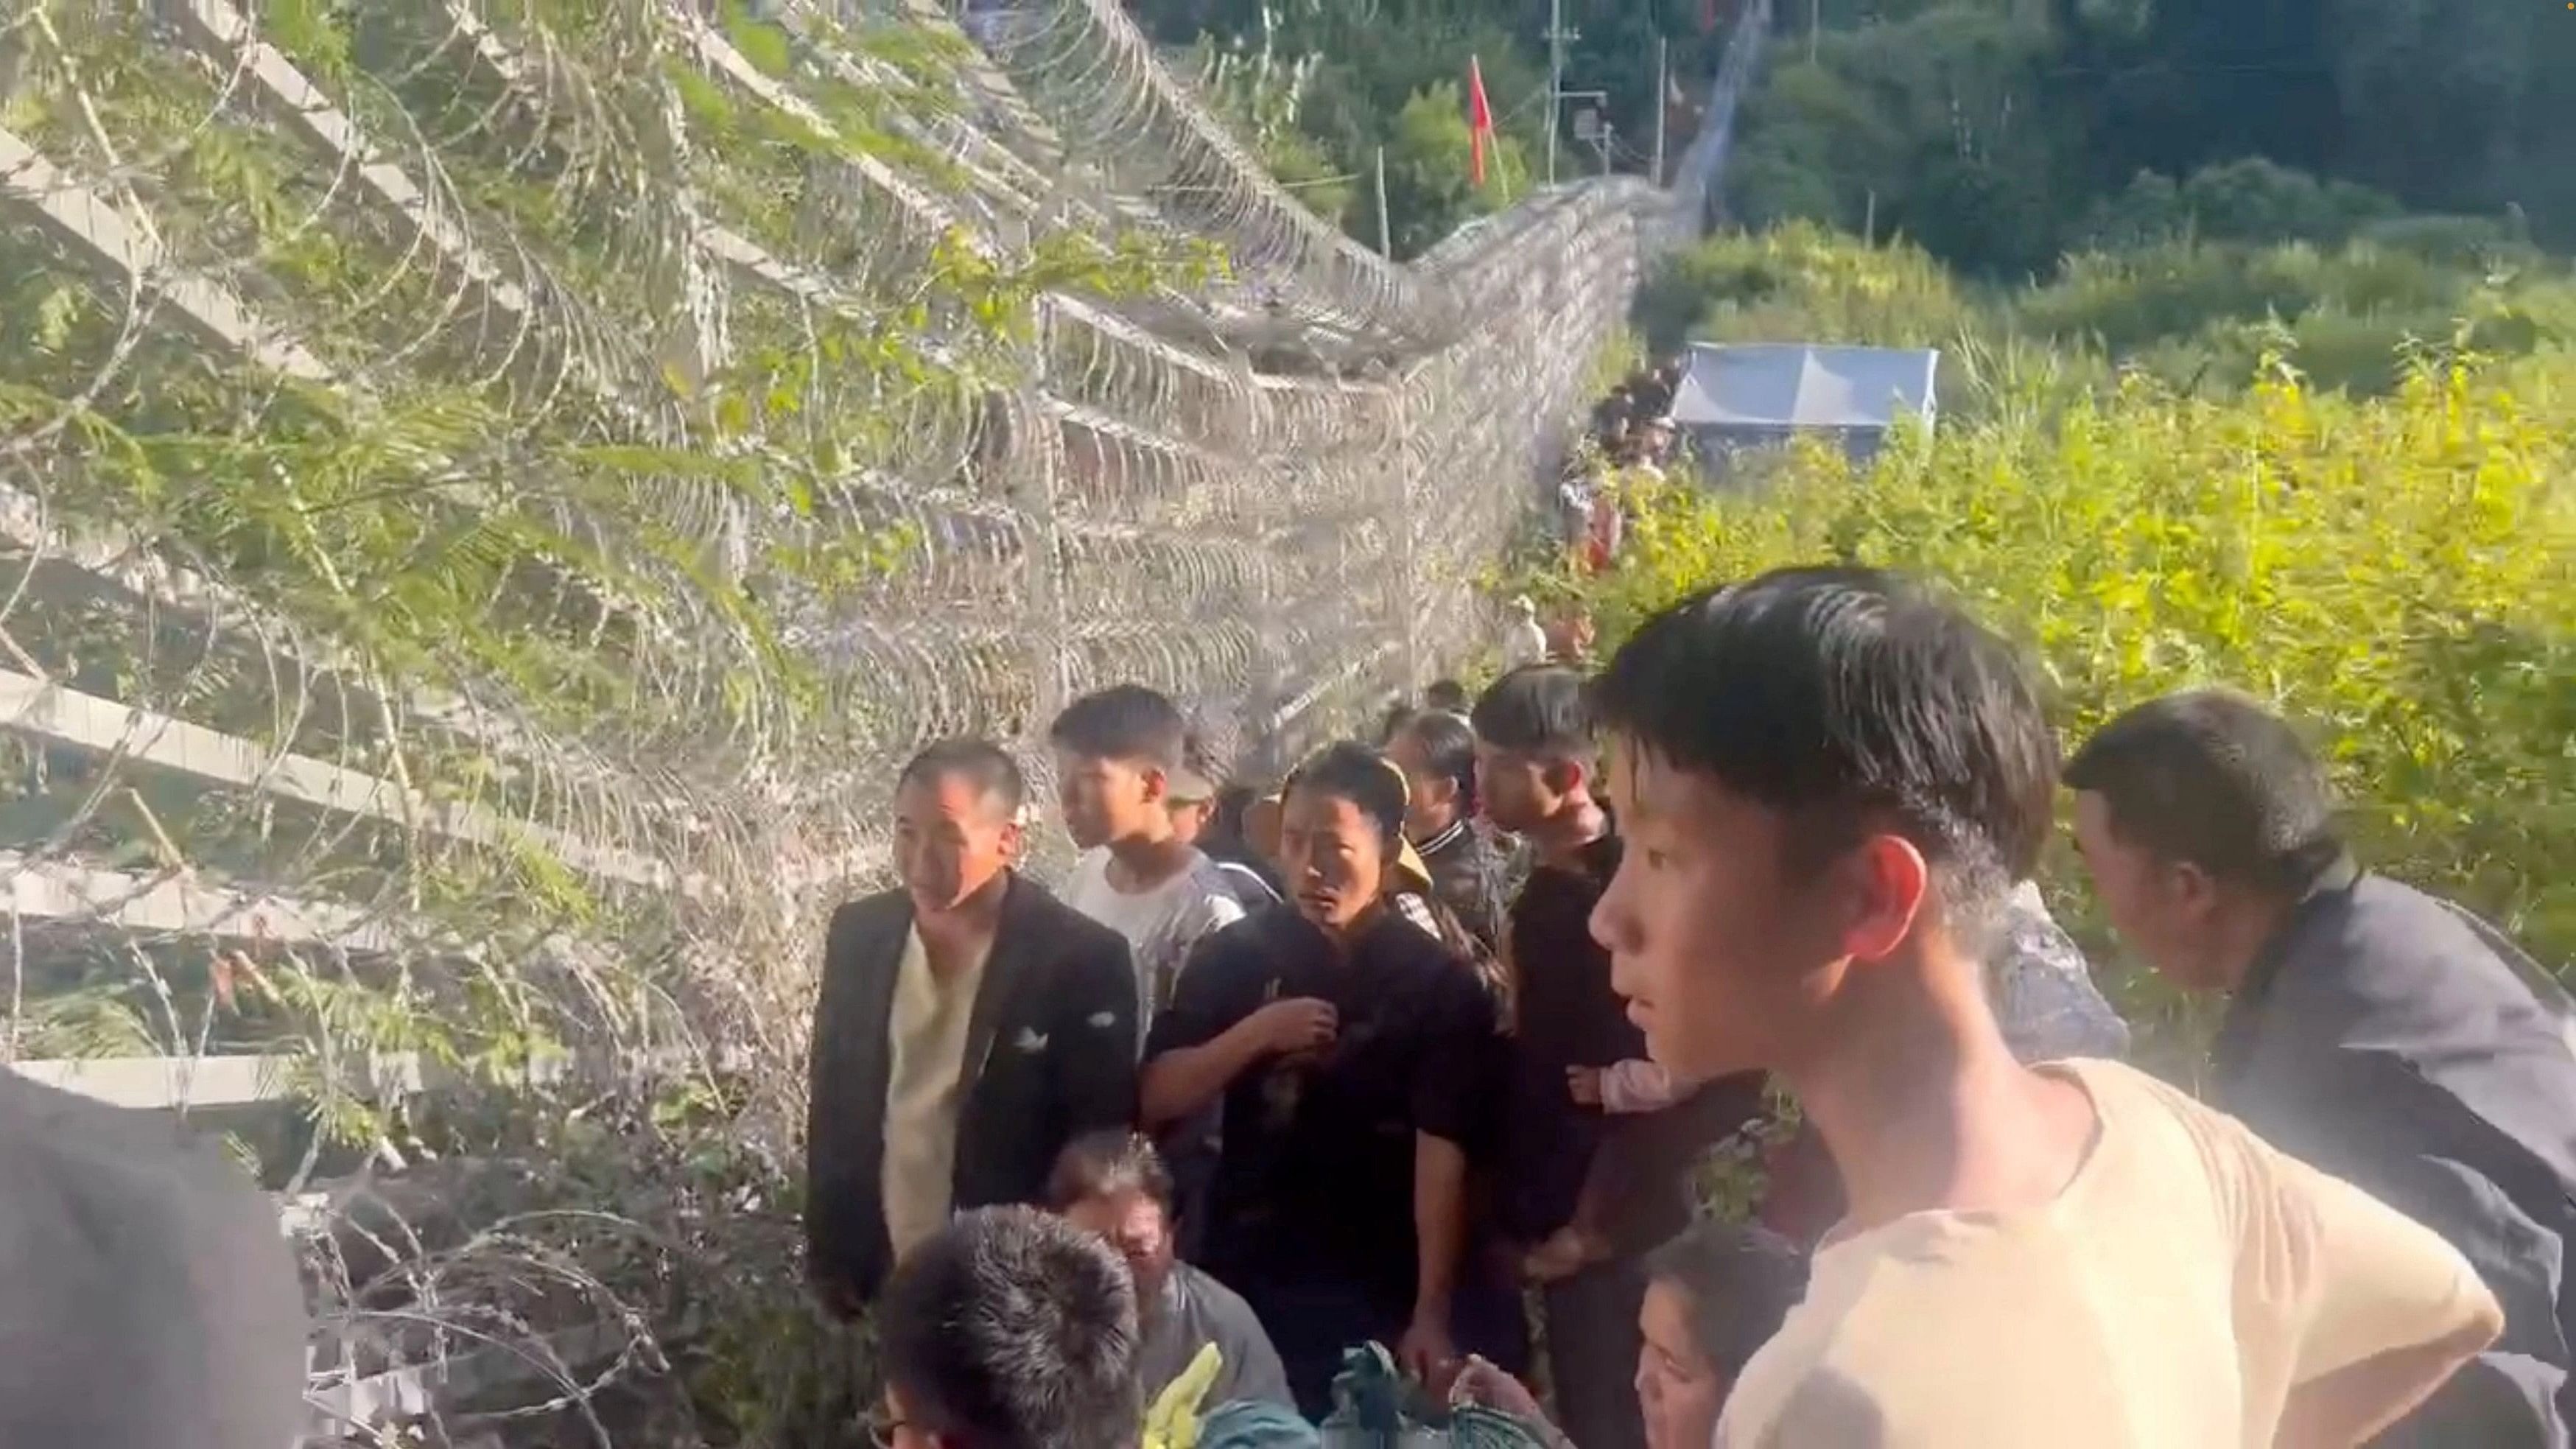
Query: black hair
1449, 744
1354, 772
1446, 695
1227, 811
1742, 1282
1123, 722
1397, 716
2215, 780
1838, 695
981, 763
1097, 1164
1013, 1329
1536, 709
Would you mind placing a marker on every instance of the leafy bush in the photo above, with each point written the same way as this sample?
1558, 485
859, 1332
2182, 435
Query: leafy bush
2249, 200
2199, 315
2399, 574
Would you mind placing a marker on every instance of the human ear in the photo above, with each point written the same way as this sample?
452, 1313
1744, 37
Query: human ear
2193, 891
1886, 880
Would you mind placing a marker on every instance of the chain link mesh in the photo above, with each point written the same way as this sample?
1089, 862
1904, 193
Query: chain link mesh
490, 493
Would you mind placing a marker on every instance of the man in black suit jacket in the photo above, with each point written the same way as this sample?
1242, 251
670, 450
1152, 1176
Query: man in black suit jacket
970, 1026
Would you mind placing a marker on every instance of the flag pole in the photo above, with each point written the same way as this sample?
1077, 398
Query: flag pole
1663, 102
1556, 39
1385, 246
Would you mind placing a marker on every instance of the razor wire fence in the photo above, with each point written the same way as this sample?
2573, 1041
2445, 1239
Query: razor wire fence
490, 492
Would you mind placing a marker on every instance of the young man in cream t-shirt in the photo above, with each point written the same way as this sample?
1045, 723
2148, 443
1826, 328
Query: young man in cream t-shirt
1828, 779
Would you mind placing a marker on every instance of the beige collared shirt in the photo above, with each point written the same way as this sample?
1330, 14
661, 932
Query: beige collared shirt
925, 1081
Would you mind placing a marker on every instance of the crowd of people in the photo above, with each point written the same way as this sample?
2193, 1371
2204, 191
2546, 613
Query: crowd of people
1423, 1047
1631, 438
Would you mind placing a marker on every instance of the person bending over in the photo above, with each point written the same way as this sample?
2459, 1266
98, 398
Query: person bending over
2373, 1031
1010, 1328
1829, 780
1114, 1184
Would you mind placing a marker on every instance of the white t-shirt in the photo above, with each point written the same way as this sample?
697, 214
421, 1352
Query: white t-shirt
1161, 924
1524, 642
2178, 1291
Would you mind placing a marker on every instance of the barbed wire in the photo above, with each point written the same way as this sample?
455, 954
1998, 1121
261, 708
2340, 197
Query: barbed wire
491, 493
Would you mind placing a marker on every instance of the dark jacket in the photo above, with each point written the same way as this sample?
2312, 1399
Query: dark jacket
1050, 1054
1467, 876
2398, 1042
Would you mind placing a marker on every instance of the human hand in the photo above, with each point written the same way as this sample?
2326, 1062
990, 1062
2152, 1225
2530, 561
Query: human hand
1298, 1024
1585, 1084
1568, 1251
1426, 1351
1479, 1382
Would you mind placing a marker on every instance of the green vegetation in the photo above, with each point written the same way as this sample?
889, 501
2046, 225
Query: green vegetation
2397, 571
2197, 314
499, 509
2001, 133
1345, 78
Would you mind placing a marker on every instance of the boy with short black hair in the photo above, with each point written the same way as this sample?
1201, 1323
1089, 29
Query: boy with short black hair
1829, 781
1118, 752
1011, 1328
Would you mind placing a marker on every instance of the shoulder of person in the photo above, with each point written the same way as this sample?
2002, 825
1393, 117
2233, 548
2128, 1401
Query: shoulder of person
1221, 1306
1249, 944
1066, 934
1214, 901
1089, 871
2384, 945
878, 908
856, 923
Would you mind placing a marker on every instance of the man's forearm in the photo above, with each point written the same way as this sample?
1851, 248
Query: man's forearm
1439, 1222
1179, 1083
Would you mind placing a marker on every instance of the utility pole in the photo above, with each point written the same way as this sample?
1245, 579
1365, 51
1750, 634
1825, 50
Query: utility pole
1557, 36
1815, 23
1663, 103
1385, 244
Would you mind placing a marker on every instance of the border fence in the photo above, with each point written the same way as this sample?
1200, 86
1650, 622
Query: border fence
489, 492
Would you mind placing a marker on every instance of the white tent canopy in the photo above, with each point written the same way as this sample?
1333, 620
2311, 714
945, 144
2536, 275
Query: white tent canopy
1786, 386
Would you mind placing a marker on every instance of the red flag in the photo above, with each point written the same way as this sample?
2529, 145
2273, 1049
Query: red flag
1480, 122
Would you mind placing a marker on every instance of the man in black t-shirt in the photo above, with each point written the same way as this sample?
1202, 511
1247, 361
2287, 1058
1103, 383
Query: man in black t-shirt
1600, 1143
1354, 1056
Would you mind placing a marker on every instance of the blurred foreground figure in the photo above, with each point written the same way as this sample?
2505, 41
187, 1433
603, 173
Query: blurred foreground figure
147, 1298
1010, 1328
2383, 1035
